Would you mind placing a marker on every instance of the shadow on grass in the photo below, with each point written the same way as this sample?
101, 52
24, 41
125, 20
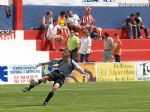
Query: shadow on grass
22, 105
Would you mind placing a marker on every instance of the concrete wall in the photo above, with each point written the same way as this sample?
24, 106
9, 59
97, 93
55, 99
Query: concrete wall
6, 23
107, 17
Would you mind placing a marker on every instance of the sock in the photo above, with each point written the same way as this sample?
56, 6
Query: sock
36, 83
50, 95
31, 86
39, 81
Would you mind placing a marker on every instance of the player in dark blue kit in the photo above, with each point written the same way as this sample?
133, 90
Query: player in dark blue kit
65, 67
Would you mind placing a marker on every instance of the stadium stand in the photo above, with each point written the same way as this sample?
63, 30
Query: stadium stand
133, 50
107, 17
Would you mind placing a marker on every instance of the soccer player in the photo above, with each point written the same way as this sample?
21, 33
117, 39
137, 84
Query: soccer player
65, 67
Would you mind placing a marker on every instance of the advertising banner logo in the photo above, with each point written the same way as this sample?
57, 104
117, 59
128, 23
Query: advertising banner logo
7, 34
19, 74
143, 71
116, 72
3, 73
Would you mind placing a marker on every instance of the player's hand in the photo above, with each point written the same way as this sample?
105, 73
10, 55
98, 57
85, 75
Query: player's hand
86, 74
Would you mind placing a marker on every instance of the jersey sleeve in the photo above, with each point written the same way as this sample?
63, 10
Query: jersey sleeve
53, 62
77, 67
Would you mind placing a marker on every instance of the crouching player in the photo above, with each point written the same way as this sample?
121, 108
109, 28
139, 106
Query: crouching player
65, 67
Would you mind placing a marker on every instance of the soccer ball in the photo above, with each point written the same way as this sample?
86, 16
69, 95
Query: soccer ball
33, 82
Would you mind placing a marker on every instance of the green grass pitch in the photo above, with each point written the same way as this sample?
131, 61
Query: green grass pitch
79, 97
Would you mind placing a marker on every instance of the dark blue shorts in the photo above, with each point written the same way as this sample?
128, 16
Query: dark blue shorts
56, 77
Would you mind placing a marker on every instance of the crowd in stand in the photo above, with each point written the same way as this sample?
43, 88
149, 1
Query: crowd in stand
80, 31
134, 24
70, 25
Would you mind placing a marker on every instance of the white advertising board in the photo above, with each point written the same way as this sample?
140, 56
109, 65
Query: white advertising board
51, 2
113, 3
15, 50
143, 71
19, 74
6, 2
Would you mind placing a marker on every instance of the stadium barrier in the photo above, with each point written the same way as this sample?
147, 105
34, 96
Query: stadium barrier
18, 74
127, 71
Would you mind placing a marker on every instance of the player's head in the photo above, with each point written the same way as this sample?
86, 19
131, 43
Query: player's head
55, 22
116, 36
66, 54
71, 32
49, 14
106, 35
86, 32
132, 16
88, 10
70, 13
137, 14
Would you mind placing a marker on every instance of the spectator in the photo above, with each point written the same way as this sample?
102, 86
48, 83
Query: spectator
131, 26
88, 20
46, 21
7, 11
77, 34
108, 48
95, 33
141, 25
73, 21
85, 46
117, 49
54, 36
72, 45
63, 22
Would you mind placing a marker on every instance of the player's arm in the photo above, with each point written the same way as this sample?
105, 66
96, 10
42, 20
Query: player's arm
44, 21
59, 28
79, 69
52, 62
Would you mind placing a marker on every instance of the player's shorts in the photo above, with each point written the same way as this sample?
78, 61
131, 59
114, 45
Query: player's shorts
57, 77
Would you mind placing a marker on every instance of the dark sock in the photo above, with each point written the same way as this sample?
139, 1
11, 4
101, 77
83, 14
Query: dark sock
50, 95
31, 86
37, 83
40, 81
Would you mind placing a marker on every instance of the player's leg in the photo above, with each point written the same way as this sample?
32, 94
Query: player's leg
87, 57
56, 86
110, 56
60, 39
34, 83
58, 82
104, 58
52, 39
81, 57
